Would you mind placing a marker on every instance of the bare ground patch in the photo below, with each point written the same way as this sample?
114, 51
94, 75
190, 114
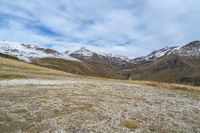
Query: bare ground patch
89, 105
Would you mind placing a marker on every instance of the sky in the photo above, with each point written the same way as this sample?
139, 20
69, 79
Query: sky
126, 27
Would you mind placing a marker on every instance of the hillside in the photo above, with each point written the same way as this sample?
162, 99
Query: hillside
175, 64
82, 62
104, 65
39, 99
12, 68
179, 65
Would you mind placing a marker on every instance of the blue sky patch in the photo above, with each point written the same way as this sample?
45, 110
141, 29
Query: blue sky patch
131, 27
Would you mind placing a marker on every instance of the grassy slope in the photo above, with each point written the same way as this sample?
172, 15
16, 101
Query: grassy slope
64, 65
86, 69
10, 68
172, 86
169, 69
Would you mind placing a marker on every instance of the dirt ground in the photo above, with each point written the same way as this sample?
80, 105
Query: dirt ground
82, 105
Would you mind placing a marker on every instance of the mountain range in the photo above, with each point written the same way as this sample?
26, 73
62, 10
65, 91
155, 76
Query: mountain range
170, 64
177, 64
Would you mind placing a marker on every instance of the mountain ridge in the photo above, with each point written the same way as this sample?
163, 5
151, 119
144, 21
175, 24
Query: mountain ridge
169, 64
29, 52
176, 65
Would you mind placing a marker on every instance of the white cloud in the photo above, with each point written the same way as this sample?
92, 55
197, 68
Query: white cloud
130, 27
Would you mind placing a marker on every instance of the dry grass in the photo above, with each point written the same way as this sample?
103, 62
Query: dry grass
131, 124
19, 66
142, 98
174, 86
86, 105
11, 76
168, 86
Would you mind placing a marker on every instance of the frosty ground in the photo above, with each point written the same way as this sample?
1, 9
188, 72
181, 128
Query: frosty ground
82, 105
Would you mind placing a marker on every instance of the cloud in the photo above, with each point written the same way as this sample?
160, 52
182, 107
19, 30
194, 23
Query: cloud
130, 27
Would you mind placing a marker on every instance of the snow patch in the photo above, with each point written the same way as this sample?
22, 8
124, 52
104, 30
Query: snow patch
28, 52
84, 52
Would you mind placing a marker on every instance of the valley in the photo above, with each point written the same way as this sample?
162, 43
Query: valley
38, 99
99, 66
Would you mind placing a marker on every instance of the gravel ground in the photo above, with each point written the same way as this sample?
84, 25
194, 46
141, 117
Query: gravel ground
78, 105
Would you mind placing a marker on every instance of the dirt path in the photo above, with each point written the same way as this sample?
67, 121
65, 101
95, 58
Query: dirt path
85, 105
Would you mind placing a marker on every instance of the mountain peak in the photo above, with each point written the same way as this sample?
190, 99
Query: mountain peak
83, 52
156, 54
191, 49
29, 52
67, 52
193, 44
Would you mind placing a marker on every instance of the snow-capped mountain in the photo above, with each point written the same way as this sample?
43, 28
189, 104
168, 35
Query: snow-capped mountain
170, 64
191, 49
166, 61
83, 52
120, 57
155, 54
86, 54
162, 52
29, 52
